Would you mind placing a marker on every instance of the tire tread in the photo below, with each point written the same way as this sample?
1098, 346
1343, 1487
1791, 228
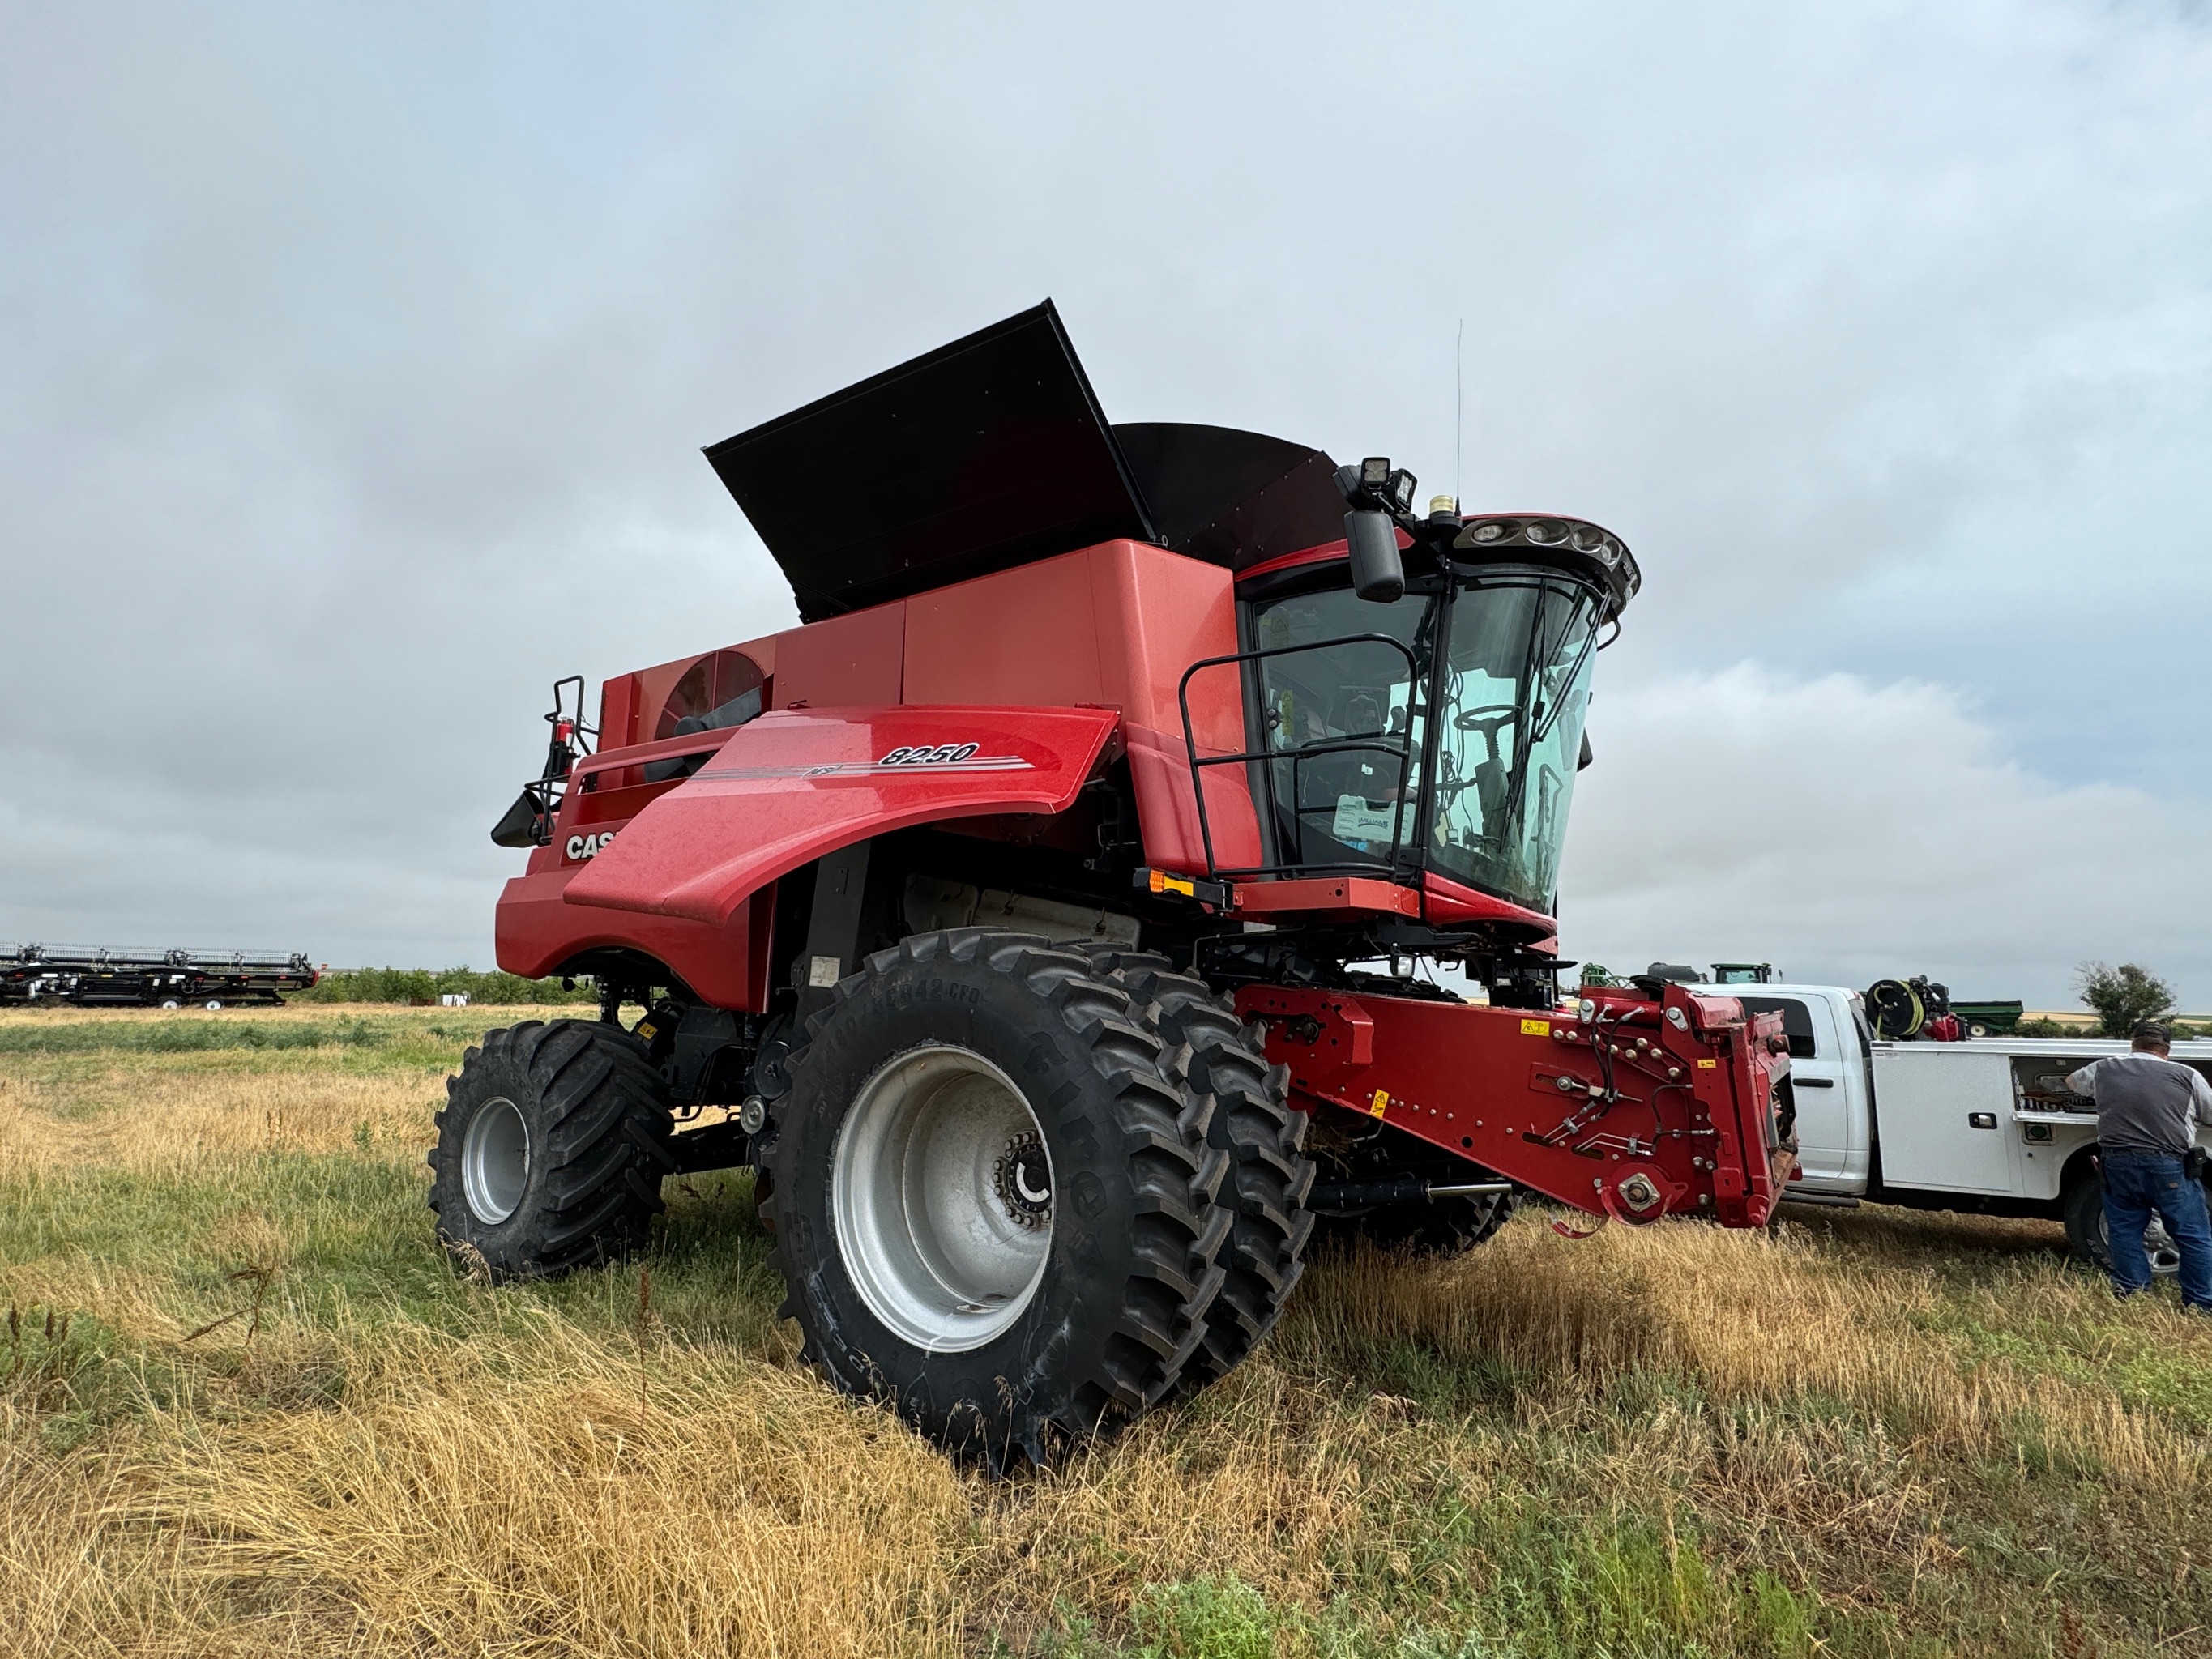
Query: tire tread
1175, 1174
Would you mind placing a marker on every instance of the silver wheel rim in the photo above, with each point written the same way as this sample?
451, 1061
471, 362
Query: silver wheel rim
496, 1161
2159, 1251
941, 1192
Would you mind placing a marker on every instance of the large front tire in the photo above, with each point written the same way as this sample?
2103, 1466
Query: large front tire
993, 1206
551, 1149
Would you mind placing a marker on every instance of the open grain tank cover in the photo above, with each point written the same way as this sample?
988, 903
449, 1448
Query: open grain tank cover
1233, 498
983, 454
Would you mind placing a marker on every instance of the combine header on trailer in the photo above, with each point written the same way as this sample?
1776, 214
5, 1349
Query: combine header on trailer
167, 979
1050, 904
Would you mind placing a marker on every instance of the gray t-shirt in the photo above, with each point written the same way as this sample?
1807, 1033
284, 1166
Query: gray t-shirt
2145, 1104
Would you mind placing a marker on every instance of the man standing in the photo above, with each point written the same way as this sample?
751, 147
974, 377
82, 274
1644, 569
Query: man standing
2148, 1109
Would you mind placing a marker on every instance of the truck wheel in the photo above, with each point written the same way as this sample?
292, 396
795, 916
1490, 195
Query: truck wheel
2088, 1241
550, 1149
993, 1203
1269, 1174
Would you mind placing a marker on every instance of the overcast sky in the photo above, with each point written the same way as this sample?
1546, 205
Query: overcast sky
354, 370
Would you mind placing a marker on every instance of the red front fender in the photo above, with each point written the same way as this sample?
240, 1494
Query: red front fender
796, 783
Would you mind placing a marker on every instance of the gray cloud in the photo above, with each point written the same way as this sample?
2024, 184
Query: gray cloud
1880, 830
353, 371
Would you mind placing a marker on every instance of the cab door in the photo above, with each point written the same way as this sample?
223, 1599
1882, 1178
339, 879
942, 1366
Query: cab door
1817, 1073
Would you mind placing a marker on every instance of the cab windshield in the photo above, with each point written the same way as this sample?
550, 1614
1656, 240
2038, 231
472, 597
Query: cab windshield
1345, 692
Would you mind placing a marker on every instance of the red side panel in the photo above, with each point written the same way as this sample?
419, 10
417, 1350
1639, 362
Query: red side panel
845, 662
794, 784
1025, 635
1116, 624
1451, 904
619, 711
1158, 613
1369, 893
630, 704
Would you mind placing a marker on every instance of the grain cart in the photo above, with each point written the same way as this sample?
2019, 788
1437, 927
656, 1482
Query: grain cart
1047, 903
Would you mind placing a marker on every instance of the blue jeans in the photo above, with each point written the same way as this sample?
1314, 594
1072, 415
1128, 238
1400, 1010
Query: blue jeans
2135, 1183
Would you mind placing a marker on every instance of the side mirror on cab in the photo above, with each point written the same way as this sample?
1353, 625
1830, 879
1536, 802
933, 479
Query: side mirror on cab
1377, 572
1378, 493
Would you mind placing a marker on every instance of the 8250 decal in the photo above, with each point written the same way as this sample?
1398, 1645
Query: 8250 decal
943, 754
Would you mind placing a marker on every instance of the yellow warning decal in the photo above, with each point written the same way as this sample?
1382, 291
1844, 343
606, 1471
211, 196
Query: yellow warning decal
1707, 1065
1535, 1028
1381, 1099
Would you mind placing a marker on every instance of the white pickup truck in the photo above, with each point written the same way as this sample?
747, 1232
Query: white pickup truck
1987, 1126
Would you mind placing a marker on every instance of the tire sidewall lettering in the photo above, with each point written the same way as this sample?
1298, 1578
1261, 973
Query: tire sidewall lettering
1090, 1195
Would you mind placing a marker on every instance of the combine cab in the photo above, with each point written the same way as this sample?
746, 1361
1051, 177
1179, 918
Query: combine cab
1047, 905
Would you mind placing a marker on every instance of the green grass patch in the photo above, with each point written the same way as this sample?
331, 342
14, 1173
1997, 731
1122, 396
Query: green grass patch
1476, 1506
182, 1036
427, 985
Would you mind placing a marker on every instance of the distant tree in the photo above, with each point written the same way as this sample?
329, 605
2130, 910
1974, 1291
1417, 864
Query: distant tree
2125, 996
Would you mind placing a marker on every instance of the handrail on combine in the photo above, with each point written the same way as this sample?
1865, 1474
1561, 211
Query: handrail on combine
1402, 749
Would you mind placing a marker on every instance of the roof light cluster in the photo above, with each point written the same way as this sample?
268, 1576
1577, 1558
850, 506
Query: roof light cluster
1493, 534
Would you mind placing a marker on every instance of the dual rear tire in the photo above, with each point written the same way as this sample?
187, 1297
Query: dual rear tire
1264, 1138
1001, 1204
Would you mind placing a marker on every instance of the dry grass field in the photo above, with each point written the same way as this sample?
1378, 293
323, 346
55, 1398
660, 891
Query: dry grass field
247, 1408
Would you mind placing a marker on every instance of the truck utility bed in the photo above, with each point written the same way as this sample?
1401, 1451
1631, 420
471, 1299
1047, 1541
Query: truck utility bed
1988, 1125
1991, 1116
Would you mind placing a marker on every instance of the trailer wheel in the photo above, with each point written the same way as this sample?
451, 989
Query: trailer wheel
2089, 1242
991, 1202
1269, 1174
550, 1149
171, 1002
213, 1005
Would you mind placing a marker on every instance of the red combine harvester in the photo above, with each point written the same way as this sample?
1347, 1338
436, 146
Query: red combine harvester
1047, 905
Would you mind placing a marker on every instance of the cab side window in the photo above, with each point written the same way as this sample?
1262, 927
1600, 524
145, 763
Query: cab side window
1797, 1023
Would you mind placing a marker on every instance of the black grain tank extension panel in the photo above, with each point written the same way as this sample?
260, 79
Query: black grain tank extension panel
983, 454
1231, 497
